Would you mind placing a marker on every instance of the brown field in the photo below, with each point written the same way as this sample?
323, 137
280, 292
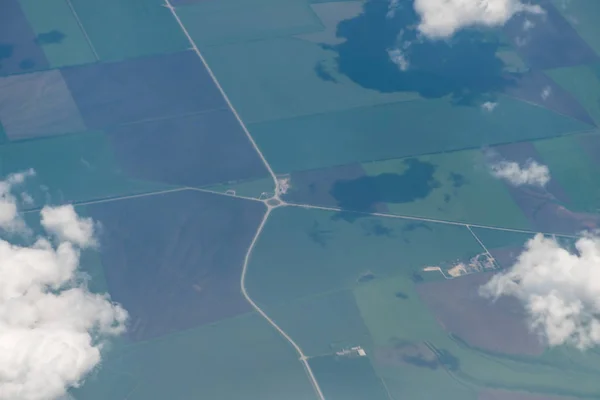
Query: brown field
498, 327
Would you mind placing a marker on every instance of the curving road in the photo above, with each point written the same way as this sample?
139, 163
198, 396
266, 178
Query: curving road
270, 207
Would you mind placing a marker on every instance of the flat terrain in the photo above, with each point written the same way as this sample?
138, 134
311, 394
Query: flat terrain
172, 122
497, 327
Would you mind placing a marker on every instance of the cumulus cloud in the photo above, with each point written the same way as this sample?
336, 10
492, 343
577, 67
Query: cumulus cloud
489, 106
64, 223
546, 92
398, 57
560, 289
392, 7
52, 328
531, 173
9, 217
26, 198
521, 41
528, 24
442, 18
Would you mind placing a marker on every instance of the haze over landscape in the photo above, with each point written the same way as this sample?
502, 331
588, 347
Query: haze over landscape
299, 199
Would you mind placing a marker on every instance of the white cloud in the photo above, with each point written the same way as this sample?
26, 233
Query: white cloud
564, 4
521, 41
26, 198
65, 224
546, 92
51, 327
531, 173
559, 289
392, 7
399, 58
489, 106
19, 177
9, 218
528, 24
442, 18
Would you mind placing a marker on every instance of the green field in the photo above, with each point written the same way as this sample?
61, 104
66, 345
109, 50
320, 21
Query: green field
315, 87
201, 363
231, 21
583, 82
393, 321
324, 253
462, 190
399, 130
323, 323
67, 44
306, 290
87, 169
582, 15
348, 378
283, 81
575, 171
137, 28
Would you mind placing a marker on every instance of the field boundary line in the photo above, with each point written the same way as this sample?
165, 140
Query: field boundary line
269, 207
225, 97
259, 310
423, 219
85, 35
483, 246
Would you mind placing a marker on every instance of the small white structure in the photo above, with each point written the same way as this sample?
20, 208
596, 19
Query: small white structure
353, 351
283, 185
265, 196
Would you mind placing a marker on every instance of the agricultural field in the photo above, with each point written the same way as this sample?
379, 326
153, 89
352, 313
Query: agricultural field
308, 199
